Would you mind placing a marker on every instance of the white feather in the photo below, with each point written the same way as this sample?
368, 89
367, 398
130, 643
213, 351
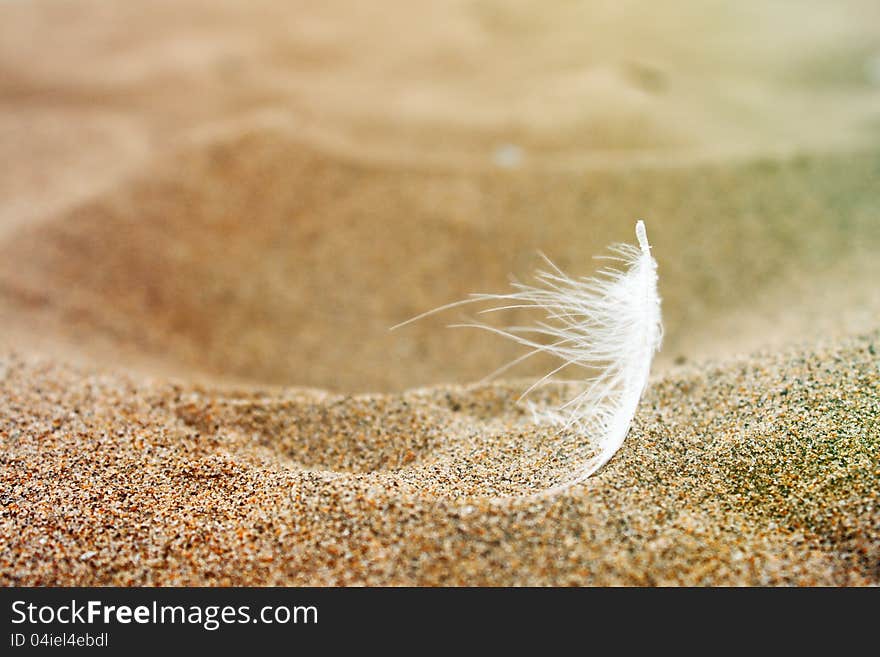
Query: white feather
608, 325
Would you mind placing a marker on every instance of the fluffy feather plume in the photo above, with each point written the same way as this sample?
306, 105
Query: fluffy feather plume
608, 325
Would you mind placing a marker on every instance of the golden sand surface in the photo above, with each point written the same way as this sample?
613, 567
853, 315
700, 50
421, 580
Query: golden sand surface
212, 212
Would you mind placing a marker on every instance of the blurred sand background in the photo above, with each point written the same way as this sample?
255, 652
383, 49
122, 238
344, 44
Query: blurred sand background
220, 204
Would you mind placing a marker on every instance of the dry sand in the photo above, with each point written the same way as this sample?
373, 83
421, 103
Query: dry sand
211, 213
762, 471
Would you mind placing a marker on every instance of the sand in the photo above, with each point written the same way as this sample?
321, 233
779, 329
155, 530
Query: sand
211, 213
758, 472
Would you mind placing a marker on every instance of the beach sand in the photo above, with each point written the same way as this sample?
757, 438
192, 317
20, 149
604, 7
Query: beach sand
212, 213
